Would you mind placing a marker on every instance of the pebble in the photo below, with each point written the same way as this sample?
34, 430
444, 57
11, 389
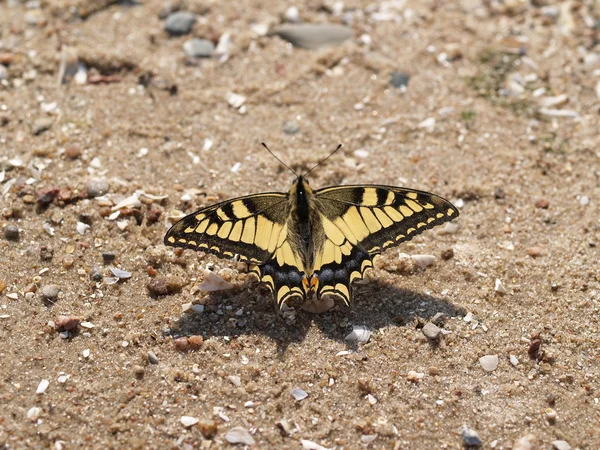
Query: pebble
526, 442
299, 394
42, 387
542, 203
551, 415
514, 360
3, 72
559, 113
235, 100
470, 437
152, 358
360, 153
96, 187
208, 428
199, 48
431, 331
165, 285
73, 151
584, 200
534, 252
360, 335
235, 380
428, 124
11, 232
213, 282
312, 36
561, 445
549, 102
239, 435
67, 323
41, 124
399, 79
423, 261
189, 421
290, 127
292, 15
489, 363
447, 254
499, 287
179, 23
414, 377
50, 292
108, 257
33, 413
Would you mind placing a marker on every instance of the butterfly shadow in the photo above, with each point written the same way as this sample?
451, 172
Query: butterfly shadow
252, 312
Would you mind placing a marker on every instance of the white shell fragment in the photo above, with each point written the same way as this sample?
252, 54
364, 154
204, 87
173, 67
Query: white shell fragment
489, 363
239, 435
360, 335
428, 124
189, 421
213, 282
235, 100
42, 387
299, 394
235, 380
423, 261
82, 227
120, 274
499, 287
34, 413
310, 445
130, 202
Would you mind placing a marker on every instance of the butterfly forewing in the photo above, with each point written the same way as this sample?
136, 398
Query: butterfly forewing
247, 226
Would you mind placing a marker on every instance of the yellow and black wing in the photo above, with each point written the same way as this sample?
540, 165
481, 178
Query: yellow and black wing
361, 221
248, 226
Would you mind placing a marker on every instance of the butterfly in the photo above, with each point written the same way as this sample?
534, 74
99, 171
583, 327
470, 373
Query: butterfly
306, 241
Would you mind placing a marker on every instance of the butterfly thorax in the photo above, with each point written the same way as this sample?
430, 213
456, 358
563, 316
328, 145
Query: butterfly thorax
305, 228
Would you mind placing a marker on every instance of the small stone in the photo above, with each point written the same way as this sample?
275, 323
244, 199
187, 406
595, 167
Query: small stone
239, 435
584, 200
534, 252
108, 257
139, 371
96, 187
195, 341
489, 363
526, 442
434, 371
235, 380
470, 437
3, 72
165, 285
414, 377
499, 287
542, 203
290, 127
181, 344
67, 323
423, 261
427, 124
73, 151
514, 360
561, 445
42, 387
179, 23
299, 394
312, 36
447, 254
50, 292
551, 416
399, 79
34, 413
292, 15
11, 232
199, 48
40, 125
235, 100
188, 421
152, 358
46, 195
208, 428
431, 331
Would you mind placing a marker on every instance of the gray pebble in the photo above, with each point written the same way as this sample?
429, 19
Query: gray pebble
561, 445
431, 331
470, 437
439, 318
96, 187
311, 36
96, 274
399, 79
40, 125
199, 48
152, 358
11, 233
3, 72
108, 257
50, 292
179, 23
291, 127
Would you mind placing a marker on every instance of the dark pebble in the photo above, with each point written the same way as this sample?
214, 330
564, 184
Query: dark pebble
164, 285
11, 233
86, 218
399, 79
447, 254
96, 274
108, 257
46, 253
179, 23
153, 214
46, 195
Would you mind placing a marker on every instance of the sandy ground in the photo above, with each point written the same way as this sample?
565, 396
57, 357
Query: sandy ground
481, 122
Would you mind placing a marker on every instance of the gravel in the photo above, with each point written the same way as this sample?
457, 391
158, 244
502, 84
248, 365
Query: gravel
179, 23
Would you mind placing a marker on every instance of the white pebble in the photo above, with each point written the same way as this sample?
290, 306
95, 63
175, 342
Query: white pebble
62, 379
88, 325
239, 435
360, 335
428, 124
423, 261
468, 317
559, 113
514, 360
213, 282
489, 363
584, 200
197, 308
372, 400
299, 394
188, 421
235, 100
310, 445
367, 438
132, 201
561, 445
235, 380
236, 167
86, 353
360, 153
34, 413
82, 227
292, 15
499, 287
42, 387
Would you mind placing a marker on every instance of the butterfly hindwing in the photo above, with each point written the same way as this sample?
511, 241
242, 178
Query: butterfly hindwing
248, 226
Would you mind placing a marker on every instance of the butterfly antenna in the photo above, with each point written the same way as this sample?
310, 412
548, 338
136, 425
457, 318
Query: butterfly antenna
323, 160
275, 156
